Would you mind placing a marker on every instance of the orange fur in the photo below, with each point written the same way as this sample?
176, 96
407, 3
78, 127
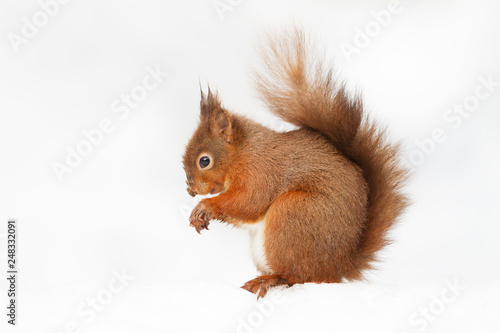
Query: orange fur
328, 192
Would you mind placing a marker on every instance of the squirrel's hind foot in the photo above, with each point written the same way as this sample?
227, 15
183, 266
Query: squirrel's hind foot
261, 285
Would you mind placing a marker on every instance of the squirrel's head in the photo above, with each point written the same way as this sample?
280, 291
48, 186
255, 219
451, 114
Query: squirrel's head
211, 149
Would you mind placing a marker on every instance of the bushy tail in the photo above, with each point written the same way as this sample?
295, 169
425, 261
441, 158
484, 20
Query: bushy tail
301, 90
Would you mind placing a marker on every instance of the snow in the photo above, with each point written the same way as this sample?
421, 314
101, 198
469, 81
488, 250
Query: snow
109, 248
216, 306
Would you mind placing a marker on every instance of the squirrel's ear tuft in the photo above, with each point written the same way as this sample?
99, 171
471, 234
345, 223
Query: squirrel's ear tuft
204, 106
208, 104
217, 120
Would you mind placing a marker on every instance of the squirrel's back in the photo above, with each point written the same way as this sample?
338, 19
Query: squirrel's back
302, 90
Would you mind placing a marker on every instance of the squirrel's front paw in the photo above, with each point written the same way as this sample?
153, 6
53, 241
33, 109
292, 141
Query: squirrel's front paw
200, 218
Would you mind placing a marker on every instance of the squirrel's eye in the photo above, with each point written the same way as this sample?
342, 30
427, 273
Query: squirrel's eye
204, 161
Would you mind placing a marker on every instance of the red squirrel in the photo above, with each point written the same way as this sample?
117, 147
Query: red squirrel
318, 200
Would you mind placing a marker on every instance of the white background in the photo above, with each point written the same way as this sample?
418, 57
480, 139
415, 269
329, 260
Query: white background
124, 207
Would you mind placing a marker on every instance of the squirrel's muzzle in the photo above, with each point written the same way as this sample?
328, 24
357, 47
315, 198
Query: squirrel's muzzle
190, 185
191, 192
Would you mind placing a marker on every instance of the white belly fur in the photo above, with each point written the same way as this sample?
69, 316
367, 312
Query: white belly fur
257, 236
